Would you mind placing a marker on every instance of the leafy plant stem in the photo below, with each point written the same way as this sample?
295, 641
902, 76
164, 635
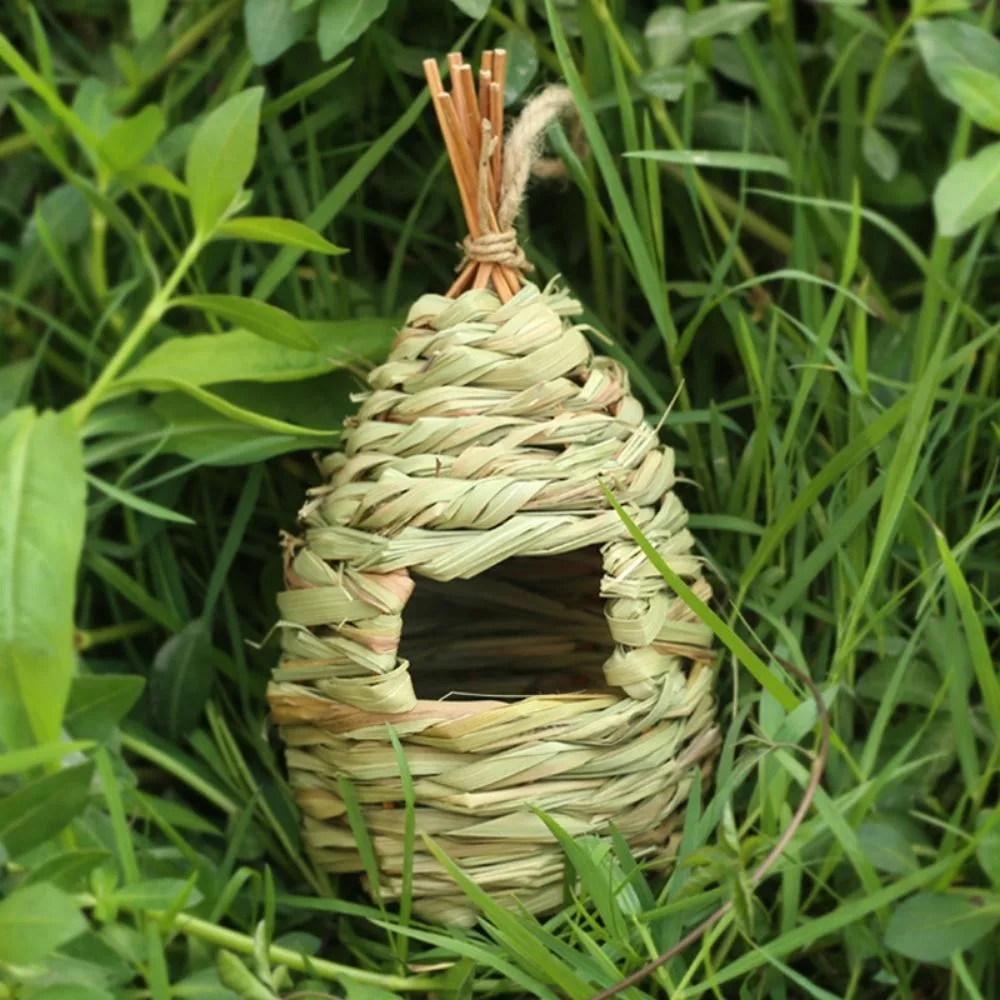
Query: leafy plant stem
14, 145
151, 315
90, 638
244, 944
99, 268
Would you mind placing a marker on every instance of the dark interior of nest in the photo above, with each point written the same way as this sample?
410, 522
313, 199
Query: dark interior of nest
531, 625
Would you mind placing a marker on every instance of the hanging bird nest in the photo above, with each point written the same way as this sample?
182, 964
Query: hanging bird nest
463, 582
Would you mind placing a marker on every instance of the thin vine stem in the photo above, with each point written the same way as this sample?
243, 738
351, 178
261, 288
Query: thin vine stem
244, 944
151, 315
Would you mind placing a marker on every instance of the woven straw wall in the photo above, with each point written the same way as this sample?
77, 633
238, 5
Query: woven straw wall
462, 576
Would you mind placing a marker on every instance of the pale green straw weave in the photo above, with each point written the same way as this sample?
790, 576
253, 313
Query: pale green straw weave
462, 577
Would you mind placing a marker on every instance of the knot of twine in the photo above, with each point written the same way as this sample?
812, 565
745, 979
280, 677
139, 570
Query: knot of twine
522, 159
495, 248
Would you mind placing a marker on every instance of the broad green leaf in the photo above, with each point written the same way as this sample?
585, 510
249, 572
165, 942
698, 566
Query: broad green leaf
886, 845
96, 198
80, 129
926, 8
13, 378
724, 18
473, 8
240, 356
141, 504
154, 175
41, 537
146, 16
273, 27
977, 92
668, 83
666, 36
182, 678
920, 686
968, 192
723, 160
98, 702
66, 869
880, 154
522, 63
73, 991
18, 761
930, 926
38, 811
34, 921
127, 65
249, 414
221, 156
258, 317
153, 894
175, 813
130, 140
344, 21
92, 105
203, 985
284, 232
42, 138
898, 77
206, 436
234, 974
907, 190
65, 214
57, 253
948, 42
353, 990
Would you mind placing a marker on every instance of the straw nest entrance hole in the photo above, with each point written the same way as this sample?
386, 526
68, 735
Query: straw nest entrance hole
529, 626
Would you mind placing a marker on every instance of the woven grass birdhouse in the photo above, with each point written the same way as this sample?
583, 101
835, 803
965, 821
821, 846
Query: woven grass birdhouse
462, 580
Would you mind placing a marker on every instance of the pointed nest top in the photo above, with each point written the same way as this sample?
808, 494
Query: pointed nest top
492, 172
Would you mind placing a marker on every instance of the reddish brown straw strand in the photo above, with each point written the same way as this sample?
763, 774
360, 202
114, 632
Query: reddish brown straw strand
496, 108
462, 114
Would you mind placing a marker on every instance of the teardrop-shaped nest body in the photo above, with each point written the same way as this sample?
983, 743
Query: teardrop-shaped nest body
463, 581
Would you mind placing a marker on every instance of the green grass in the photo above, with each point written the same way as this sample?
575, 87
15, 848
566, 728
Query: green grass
815, 295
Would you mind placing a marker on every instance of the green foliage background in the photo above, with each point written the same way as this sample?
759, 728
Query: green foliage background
214, 213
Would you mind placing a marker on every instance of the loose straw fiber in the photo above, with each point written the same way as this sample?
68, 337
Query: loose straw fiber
541, 660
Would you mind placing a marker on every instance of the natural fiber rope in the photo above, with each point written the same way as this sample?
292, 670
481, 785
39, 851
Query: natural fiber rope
522, 148
521, 159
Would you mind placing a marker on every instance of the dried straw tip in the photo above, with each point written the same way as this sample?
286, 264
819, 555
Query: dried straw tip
463, 579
